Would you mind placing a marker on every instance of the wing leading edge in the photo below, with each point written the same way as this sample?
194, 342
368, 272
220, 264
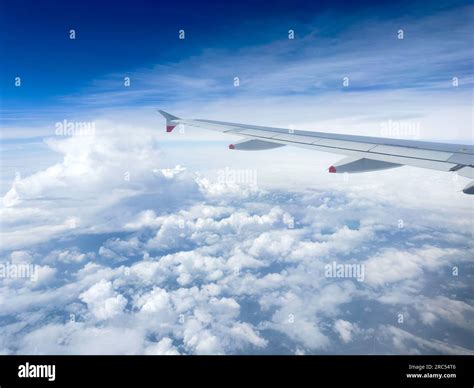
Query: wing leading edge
363, 153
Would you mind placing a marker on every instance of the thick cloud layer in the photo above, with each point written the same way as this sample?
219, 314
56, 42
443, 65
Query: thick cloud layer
137, 257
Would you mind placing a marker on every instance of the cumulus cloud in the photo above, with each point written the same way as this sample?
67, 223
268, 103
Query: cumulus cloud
138, 256
345, 329
102, 301
106, 169
69, 256
393, 265
164, 347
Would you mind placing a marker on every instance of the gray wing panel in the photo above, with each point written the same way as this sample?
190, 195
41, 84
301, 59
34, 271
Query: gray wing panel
437, 156
447, 147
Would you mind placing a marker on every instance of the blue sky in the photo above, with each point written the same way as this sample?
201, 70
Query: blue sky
120, 37
141, 42
152, 243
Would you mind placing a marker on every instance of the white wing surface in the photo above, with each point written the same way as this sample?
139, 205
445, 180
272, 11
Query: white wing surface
363, 153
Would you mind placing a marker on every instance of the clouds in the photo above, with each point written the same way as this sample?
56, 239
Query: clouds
106, 169
406, 81
187, 263
202, 321
441, 307
232, 277
77, 338
163, 348
345, 330
393, 265
143, 248
217, 268
102, 301
69, 256
314, 63
408, 343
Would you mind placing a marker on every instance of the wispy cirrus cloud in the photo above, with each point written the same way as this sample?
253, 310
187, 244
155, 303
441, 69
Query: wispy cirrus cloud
389, 78
433, 50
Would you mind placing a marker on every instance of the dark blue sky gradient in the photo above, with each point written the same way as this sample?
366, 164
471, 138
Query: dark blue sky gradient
120, 36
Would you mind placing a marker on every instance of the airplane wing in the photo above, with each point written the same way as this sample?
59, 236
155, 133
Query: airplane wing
362, 153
